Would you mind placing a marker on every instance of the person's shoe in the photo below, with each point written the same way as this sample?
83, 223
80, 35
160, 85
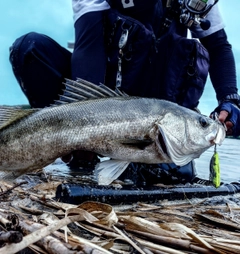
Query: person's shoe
83, 161
148, 174
202, 181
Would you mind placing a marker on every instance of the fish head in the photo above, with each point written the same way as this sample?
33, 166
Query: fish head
184, 134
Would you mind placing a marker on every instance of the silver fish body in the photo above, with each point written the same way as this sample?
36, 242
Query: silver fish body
118, 126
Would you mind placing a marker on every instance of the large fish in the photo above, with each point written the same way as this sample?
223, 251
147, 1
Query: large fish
112, 124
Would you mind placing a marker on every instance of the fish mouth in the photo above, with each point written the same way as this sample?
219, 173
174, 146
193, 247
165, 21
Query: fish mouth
220, 136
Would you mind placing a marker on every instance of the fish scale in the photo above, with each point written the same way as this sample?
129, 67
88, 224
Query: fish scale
113, 124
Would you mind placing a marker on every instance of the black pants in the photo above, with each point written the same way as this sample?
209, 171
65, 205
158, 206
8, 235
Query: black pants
40, 64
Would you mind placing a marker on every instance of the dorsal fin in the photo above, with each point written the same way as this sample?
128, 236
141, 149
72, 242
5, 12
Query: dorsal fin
73, 95
83, 90
102, 89
11, 114
112, 93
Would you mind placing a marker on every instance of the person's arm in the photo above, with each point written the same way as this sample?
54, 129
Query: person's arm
223, 77
222, 65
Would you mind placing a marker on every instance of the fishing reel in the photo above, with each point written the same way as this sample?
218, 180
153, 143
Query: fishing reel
193, 12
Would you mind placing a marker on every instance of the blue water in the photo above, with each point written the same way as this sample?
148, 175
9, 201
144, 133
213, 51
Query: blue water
229, 154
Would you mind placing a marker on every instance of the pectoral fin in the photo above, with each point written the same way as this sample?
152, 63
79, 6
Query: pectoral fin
109, 170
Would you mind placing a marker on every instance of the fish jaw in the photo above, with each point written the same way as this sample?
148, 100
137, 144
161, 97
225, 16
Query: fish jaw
220, 135
179, 153
217, 136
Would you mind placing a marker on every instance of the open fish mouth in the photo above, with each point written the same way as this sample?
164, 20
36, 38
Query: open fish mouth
217, 137
221, 134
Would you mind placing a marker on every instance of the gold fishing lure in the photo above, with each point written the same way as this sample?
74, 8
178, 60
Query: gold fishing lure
214, 169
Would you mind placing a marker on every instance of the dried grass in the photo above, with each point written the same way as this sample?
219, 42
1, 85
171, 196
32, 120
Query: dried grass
49, 226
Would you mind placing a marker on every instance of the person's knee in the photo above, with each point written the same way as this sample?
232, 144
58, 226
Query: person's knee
25, 39
22, 45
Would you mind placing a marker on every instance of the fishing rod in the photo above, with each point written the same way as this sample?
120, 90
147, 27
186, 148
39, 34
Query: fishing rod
74, 193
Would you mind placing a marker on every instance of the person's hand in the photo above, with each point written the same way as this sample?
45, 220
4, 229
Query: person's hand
229, 114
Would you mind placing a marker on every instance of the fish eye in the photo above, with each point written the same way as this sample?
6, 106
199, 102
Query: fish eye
203, 121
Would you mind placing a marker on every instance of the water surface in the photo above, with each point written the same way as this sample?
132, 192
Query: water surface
229, 154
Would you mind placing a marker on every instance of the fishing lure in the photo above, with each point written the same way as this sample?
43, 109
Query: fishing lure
214, 169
